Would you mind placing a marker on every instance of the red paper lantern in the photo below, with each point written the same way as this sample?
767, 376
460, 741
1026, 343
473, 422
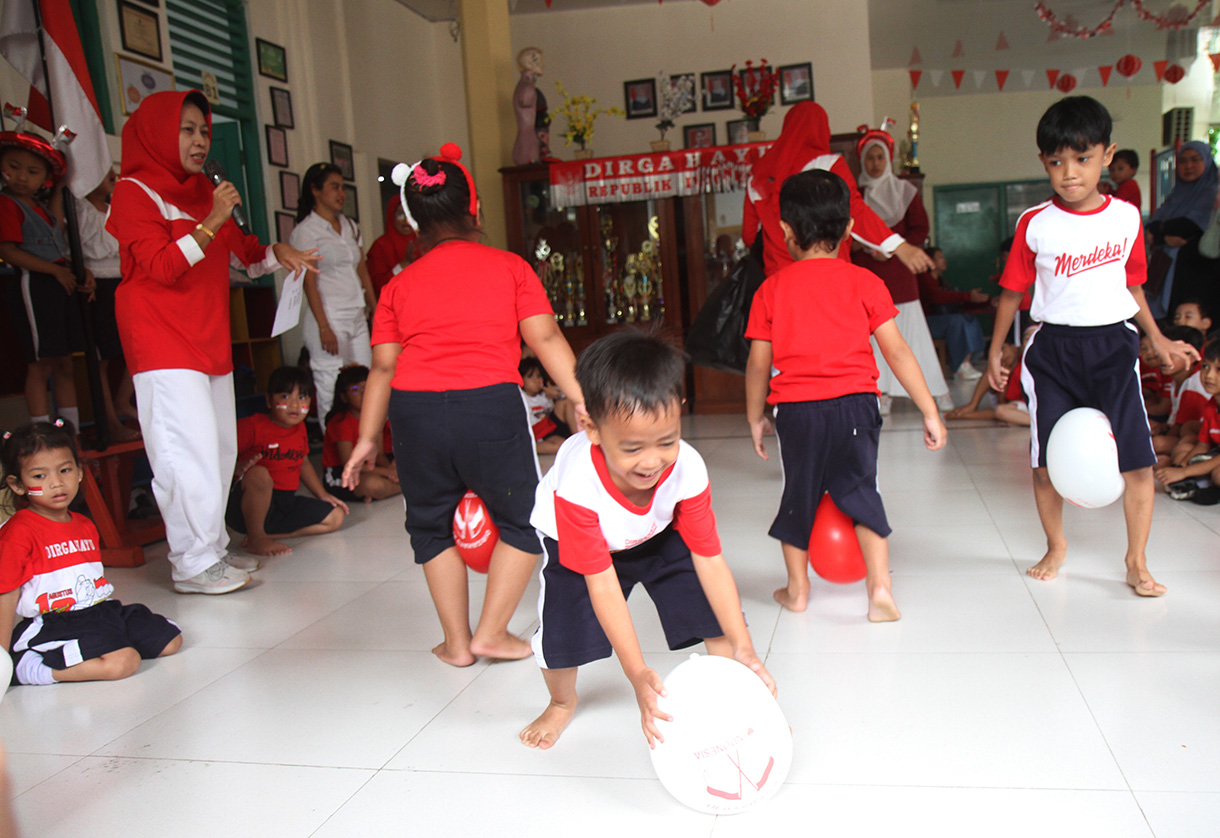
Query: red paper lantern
1066, 83
1174, 74
710, 2
474, 532
1128, 65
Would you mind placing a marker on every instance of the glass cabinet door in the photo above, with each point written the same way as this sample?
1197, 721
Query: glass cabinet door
551, 241
632, 283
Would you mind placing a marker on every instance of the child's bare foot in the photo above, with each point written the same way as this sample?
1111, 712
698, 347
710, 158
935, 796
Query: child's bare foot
506, 647
265, 546
881, 606
1048, 568
457, 658
544, 731
1142, 583
792, 600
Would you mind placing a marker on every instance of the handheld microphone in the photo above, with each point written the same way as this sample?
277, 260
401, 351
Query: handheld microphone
216, 174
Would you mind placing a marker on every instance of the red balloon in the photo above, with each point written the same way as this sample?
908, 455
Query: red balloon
1174, 74
834, 550
474, 532
1066, 82
1128, 65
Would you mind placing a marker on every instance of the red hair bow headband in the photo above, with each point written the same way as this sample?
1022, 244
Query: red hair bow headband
450, 153
48, 151
880, 135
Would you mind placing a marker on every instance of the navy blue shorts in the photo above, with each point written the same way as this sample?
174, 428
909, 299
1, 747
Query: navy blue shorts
828, 446
1066, 367
569, 633
448, 442
46, 317
66, 638
288, 512
332, 479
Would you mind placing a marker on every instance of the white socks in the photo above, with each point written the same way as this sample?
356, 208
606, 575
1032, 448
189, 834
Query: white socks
31, 670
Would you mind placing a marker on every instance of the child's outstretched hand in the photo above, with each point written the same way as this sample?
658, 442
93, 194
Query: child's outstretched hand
758, 430
1169, 474
648, 688
934, 433
363, 452
748, 658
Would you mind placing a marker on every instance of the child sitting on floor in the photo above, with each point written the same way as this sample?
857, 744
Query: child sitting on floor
1200, 459
380, 480
1187, 398
264, 503
1011, 407
552, 417
68, 627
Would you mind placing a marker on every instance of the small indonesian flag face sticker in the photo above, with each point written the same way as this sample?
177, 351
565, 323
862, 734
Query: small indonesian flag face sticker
34, 491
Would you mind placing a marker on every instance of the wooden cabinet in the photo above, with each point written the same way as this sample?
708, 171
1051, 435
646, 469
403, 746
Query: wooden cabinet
255, 353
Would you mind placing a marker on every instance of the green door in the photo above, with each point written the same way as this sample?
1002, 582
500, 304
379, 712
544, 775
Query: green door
969, 228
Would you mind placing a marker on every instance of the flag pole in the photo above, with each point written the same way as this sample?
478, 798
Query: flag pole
93, 369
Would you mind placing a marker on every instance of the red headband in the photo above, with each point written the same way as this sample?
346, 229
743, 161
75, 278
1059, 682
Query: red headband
54, 158
875, 135
450, 153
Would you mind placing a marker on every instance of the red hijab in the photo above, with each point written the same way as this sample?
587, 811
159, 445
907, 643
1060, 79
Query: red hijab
151, 153
806, 135
390, 249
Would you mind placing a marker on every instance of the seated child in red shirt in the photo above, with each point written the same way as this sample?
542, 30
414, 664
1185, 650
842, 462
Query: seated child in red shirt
1011, 407
1124, 166
811, 323
273, 448
1181, 478
1187, 399
552, 417
67, 626
378, 481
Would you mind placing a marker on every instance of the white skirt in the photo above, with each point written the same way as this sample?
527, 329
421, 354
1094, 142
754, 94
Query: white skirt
914, 328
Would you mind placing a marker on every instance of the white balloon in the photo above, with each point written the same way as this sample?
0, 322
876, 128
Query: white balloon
1082, 459
729, 746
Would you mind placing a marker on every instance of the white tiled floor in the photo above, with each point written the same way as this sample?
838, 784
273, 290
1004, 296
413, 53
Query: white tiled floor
308, 705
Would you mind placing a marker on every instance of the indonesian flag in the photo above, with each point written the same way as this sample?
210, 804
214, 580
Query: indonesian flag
71, 88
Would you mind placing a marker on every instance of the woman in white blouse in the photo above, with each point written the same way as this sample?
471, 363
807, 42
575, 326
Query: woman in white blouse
334, 323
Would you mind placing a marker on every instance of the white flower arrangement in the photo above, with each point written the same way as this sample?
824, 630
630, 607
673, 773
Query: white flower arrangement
676, 97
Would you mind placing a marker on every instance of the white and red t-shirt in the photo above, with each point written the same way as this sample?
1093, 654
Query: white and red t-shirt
57, 564
540, 406
283, 449
578, 505
1209, 425
1189, 400
455, 312
818, 315
1080, 264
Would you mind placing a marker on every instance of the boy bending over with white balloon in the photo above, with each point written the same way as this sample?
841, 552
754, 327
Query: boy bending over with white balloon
1083, 254
625, 502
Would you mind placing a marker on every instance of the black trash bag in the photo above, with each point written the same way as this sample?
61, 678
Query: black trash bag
717, 338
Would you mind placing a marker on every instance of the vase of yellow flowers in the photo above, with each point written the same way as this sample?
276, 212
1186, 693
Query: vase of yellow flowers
581, 114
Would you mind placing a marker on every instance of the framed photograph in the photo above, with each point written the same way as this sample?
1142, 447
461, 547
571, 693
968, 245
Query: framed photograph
641, 98
281, 108
138, 79
738, 131
751, 80
699, 136
284, 222
290, 190
694, 99
140, 29
716, 90
277, 146
351, 205
272, 60
795, 83
341, 156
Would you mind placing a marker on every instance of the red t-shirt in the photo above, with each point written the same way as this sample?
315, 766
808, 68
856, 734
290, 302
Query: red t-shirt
455, 313
283, 449
12, 219
1129, 191
346, 428
818, 315
56, 564
1012, 390
1209, 426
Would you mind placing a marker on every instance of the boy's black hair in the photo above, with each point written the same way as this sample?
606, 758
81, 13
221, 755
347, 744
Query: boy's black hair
348, 377
628, 372
817, 206
1129, 156
25, 442
1075, 122
531, 364
1189, 334
1211, 351
287, 379
442, 209
1204, 311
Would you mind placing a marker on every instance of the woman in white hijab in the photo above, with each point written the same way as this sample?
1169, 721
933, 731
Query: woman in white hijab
898, 204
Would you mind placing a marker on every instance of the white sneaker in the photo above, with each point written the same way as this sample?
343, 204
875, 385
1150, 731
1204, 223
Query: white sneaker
967, 372
883, 404
247, 563
945, 402
220, 578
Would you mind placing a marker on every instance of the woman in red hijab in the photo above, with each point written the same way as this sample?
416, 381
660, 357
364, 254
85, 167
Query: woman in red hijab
172, 305
804, 144
393, 251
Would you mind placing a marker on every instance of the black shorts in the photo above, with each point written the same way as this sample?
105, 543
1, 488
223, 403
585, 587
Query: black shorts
288, 512
332, 479
66, 638
448, 442
47, 318
828, 446
105, 326
1066, 367
569, 633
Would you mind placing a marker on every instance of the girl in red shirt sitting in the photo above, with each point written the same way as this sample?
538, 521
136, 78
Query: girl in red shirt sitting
342, 431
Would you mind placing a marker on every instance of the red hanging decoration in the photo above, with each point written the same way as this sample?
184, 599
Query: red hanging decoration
1174, 74
958, 52
1159, 68
1105, 70
1215, 57
1066, 83
916, 58
1128, 65
1051, 76
957, 77
710, 2
1001, 42
915, 74
1001, 76
1178, 18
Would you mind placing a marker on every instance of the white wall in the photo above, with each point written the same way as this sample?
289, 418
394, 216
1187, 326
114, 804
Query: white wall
593, 52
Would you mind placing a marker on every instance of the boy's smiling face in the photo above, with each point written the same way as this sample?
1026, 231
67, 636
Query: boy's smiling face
288, 409
639, 448
1075, 174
